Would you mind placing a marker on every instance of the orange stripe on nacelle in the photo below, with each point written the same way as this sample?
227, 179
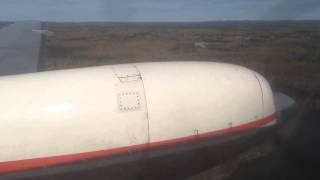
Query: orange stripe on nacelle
27, 164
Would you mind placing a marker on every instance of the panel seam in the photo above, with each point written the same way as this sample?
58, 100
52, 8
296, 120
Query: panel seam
146, 103
262, 96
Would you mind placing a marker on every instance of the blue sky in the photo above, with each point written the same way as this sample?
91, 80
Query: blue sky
158, 10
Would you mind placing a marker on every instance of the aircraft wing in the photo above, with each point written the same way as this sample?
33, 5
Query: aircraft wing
20, 45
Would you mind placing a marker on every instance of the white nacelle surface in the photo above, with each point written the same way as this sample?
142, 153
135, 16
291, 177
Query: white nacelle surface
91, 109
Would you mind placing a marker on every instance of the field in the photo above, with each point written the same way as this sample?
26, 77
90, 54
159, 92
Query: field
287, 53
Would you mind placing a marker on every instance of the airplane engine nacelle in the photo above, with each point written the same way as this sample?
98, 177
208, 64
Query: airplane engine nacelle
61, 117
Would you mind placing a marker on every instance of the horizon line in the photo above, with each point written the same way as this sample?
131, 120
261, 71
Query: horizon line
205, 21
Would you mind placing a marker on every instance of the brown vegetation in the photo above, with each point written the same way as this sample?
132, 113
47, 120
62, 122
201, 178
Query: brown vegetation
287, 53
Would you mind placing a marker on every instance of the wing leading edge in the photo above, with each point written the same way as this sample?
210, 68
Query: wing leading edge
20, 48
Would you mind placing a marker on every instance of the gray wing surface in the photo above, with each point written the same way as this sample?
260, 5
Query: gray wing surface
20, 48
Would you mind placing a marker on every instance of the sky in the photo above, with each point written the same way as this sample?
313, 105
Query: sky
158, 10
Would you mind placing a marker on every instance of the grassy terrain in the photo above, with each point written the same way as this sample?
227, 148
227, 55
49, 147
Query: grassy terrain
287, 53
